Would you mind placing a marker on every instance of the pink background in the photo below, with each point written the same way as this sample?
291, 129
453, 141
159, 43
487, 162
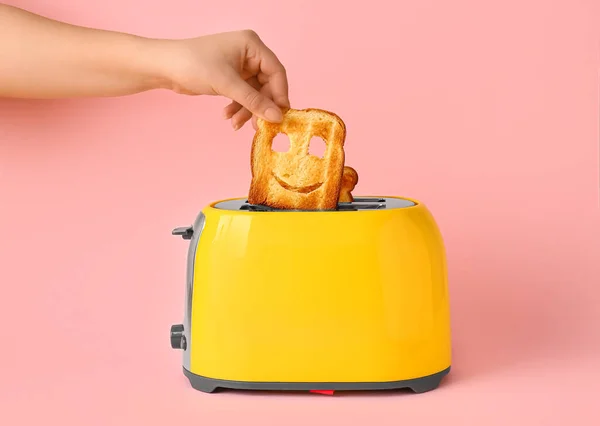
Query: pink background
486, 111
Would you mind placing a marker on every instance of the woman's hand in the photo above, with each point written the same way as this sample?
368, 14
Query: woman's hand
45, 58
237, 65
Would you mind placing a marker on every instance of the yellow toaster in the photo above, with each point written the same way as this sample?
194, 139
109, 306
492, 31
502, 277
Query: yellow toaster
350, 299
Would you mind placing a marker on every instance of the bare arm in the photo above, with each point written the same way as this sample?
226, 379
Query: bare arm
44, 58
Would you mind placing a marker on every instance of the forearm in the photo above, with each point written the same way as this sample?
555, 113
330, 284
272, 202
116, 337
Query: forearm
43, 58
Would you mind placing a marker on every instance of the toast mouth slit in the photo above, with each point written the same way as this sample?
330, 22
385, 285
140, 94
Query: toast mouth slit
300, 189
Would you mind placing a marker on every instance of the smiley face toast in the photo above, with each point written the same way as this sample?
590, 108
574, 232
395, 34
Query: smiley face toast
296, 179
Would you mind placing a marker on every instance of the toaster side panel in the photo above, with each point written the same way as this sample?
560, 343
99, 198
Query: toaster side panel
198, 227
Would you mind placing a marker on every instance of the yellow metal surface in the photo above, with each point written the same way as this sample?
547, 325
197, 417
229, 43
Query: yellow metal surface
320, 297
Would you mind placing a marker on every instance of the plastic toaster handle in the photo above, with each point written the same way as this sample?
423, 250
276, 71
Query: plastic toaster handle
186, 232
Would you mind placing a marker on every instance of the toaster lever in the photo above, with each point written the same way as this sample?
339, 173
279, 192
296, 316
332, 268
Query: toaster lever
186, 232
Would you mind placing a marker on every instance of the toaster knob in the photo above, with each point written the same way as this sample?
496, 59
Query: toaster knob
186, 232
177, 338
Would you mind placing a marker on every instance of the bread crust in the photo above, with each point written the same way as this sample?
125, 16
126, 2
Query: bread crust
297, 180
349, 181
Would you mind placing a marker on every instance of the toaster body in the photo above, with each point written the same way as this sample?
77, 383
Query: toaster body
352, 299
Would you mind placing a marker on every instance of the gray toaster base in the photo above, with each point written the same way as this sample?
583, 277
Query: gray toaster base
418, 385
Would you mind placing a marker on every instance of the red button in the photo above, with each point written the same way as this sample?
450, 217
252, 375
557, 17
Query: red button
323, 392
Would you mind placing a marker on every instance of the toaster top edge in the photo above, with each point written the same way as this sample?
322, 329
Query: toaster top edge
367, 203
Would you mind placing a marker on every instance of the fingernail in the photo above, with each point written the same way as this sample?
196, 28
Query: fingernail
236, 127
273, 114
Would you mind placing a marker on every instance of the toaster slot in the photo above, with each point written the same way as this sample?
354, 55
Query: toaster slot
354, 206
357, 204
369, 200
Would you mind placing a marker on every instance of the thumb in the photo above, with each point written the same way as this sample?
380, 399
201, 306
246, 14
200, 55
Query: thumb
243, 93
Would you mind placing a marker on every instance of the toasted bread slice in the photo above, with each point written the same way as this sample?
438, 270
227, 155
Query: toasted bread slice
297, 180
349, 181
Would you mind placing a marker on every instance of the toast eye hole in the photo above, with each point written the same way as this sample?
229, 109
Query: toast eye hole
281, 143
317, 147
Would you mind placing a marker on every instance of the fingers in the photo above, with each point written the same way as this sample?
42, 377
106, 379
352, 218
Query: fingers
231, 109
262, 62
232, 86
264, 95
279, 89
240, 118
272, 70
238, 114
243, 115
